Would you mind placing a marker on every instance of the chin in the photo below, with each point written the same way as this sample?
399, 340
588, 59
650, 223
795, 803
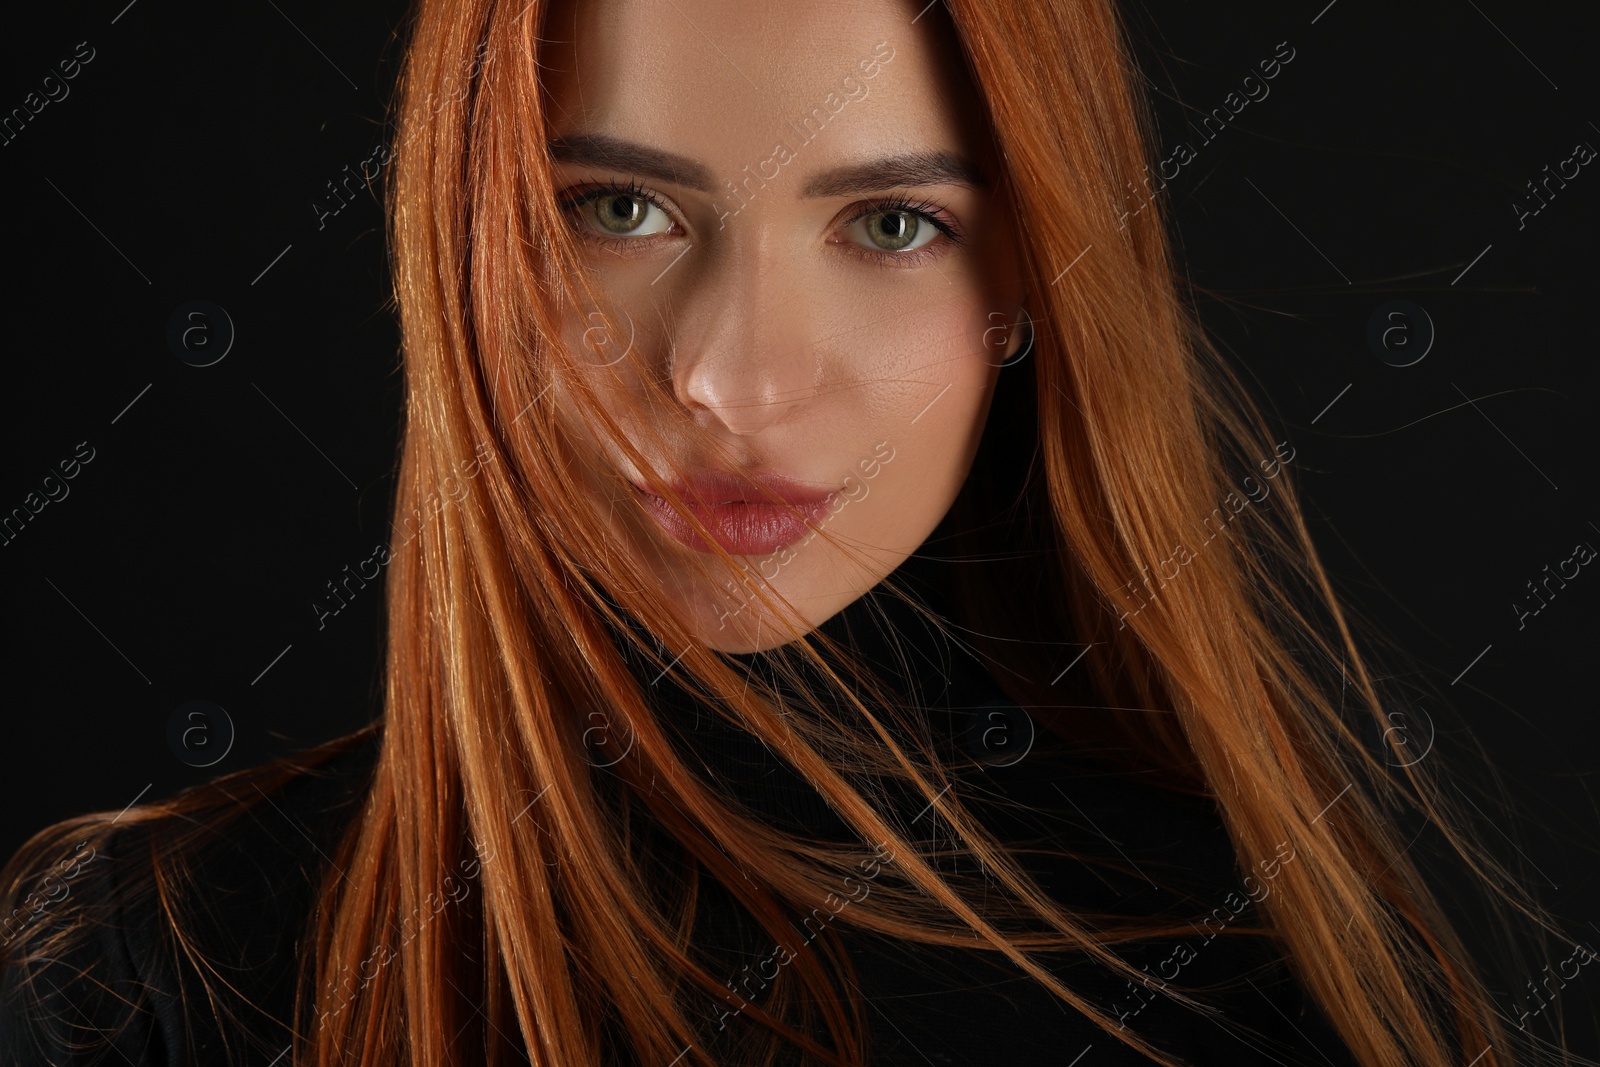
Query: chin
730, 617
742, 624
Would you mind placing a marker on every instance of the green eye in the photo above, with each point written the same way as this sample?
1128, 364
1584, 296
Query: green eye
892, 230
898, 227
620, 214
613, 212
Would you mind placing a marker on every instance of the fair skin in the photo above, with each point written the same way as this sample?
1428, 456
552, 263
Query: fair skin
829, 331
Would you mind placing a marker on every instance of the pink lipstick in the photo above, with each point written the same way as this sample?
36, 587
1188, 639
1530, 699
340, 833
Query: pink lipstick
741, 518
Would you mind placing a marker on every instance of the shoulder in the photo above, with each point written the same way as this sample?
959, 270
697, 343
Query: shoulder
174, 937
1109, 842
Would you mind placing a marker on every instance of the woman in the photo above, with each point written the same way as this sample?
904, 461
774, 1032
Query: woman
838, 619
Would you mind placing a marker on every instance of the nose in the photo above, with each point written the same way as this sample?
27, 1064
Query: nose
742, 357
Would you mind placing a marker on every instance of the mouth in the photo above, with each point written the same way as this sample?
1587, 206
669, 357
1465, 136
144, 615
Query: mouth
741, 521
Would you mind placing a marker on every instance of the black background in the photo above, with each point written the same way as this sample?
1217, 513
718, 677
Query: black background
185, 164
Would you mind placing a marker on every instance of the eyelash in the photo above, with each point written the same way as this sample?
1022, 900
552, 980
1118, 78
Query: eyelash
928, 211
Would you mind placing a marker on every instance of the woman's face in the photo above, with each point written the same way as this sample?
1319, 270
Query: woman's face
792, 211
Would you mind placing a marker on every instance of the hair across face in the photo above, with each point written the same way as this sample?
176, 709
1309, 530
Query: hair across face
794, 216
668, 260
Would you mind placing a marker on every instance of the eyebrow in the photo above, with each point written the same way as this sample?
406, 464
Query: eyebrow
906, 169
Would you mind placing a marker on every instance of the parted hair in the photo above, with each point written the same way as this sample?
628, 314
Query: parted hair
1107, 500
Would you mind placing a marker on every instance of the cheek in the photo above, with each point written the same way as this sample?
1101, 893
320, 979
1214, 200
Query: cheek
947, 376
899, 362
930, 400
605, 350
604, 340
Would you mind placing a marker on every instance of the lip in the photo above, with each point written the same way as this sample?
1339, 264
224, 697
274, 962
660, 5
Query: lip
740, 526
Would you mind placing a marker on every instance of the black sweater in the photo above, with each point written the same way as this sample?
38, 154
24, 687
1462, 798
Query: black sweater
128, 997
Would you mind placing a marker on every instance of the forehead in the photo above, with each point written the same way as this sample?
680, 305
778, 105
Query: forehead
724, 80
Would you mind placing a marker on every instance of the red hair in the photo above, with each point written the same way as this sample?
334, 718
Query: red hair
512, 612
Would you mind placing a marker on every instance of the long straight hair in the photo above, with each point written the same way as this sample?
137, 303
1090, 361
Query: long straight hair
1226, 664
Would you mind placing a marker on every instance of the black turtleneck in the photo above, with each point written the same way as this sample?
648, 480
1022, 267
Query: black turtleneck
942, 689
1147, 852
